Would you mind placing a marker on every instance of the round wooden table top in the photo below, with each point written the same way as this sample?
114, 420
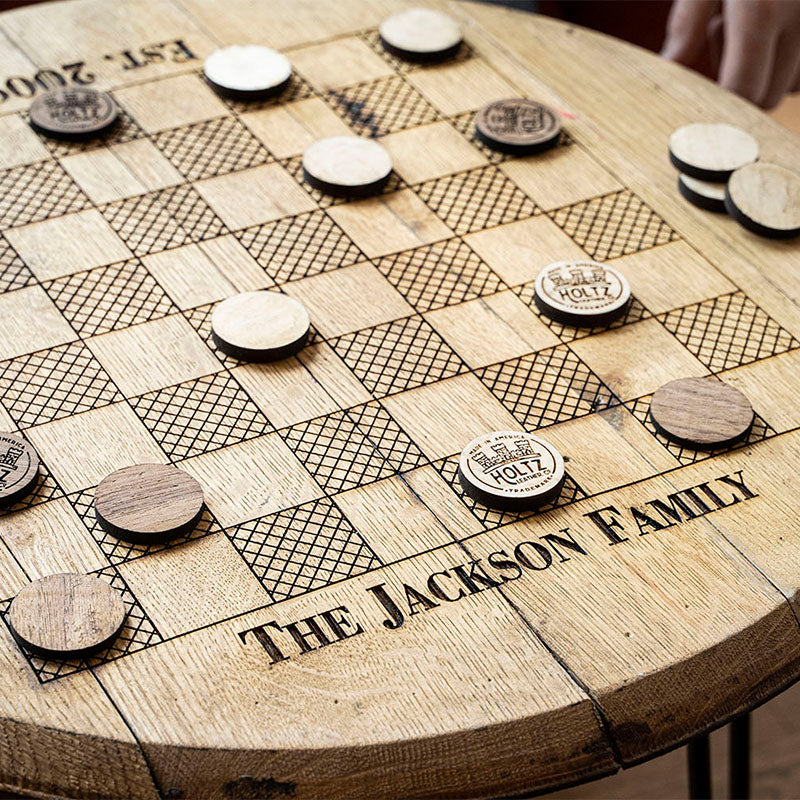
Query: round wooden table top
345, 622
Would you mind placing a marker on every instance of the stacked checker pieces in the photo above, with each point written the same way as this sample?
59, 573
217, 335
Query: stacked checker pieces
720, 171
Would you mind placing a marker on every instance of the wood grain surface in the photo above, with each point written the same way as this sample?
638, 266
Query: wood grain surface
344, 621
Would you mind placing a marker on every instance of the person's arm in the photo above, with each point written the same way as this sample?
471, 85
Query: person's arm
752, 47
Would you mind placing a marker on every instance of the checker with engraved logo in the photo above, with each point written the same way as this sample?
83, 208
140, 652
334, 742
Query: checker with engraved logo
19, 468
73, 113
581, 293
518, 126
511, 470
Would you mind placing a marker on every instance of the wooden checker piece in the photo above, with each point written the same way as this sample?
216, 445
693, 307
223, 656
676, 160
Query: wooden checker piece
421, 34
148, 503
518, 126
701, 412
347, 166
703, 194
765, 199
74, 113
581, 293
260, 326
511, 470
19, 468
66, 615
711, 151
247, 72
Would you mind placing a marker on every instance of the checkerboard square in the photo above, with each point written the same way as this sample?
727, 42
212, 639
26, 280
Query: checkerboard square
398, 356
36, 192
491, 329
200, 415
102, 176
108, 298
211, 148
508, 249
18, 336
50, 384
439, 274
193, 585
102, 440
546, 387
49, 538
252, 478
289, 128
683, 277
560, 176
445, 152
18, 143
477, 84
189, 276
349, 299
304, 548
13, 272
147, 164
389, 223
389, 515
68, 244
153, 355
171, 102
339, 63
255, 196
442, 417
636, 359
298, 247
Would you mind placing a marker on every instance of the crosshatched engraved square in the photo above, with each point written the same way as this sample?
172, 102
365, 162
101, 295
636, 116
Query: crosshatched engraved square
124, 130
336, 452
493, 517
613, 225
640, 408
137, 632
36, 192
117, 551
298, 89
192, 213
477, 199
45, 489
569, 333
380, 107
439, 274
728, 331
51, 384
109, 298
303, 548
13, 272
211, 148
144, 224
294, 166
550, 386
297, 247
398, 355
392, 442
200, 415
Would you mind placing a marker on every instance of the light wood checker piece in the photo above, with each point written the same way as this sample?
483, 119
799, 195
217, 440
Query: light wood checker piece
330, 477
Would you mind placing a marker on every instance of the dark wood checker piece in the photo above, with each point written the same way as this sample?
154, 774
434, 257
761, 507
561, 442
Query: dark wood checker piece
343, 616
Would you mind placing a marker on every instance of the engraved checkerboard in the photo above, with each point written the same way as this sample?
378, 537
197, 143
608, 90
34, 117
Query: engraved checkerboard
345, 621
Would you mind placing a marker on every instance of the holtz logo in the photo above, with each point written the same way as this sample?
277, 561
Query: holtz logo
507, 466
516, 118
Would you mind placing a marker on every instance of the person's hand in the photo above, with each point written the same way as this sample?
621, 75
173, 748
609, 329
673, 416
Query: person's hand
752, 47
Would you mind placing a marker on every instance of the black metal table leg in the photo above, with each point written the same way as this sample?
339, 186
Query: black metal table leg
740, 758
699, 757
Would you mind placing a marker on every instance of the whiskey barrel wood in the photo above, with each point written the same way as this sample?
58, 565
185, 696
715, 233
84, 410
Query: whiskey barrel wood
344, 622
